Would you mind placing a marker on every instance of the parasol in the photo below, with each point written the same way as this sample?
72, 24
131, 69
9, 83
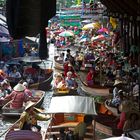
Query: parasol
4, 39
66, 33
84, 40
99, 37
103, 30
95, 25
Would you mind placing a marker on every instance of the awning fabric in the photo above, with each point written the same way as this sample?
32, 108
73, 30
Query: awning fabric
72, 104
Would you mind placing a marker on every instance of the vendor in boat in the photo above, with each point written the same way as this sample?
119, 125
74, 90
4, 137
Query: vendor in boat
69, 67
90, 77
70, 81
17, 97
80, 129
28, 119
5, 88
15, 74
27, 90
117, 88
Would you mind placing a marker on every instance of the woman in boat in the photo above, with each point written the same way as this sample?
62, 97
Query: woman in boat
15, 74
80, 129
17, 97
70, 81
90, 78
133, 121
59, 81
28, 119
27, 90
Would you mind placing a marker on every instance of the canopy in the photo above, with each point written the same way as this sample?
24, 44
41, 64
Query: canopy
72, 104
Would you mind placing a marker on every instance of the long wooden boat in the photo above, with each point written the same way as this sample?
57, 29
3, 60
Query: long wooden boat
43, 85
3, 102
70, 113
14, 133
38, 97
58, 64
28, 62
100, 126
94, 91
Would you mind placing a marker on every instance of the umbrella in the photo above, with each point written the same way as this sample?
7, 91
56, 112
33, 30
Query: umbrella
4, 31
95, 25
86, 21
4, 39
66, 33
103, 30
99, 37
84, 40
119, 138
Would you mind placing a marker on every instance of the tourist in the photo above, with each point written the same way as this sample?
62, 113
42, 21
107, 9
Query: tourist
28, 119
17, 97
70, 82
59, 82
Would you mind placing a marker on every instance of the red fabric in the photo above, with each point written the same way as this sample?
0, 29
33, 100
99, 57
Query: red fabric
28, 92
89, 76
122, 120
18, 98
31, 71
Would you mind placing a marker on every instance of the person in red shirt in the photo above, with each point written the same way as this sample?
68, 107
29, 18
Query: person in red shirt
17, 97
27, 91
90, 78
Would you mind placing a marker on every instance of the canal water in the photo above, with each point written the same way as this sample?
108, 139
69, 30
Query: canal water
5, 123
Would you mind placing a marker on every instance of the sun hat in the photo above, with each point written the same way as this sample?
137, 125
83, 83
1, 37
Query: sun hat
25, 84
29, 104
117, 82
19, 87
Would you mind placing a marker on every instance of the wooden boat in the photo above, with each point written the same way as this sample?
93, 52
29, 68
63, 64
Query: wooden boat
69, 114
14, 133
103, 127
38, 97
44, 85
112, 109
94, 91
2, 103
64, 92
58, 64
29, 62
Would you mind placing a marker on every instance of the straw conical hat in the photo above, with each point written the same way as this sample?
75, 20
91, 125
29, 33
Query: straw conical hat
117, 81
29, 104
19, 87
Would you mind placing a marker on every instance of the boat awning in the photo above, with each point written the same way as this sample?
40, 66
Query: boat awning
72, 104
